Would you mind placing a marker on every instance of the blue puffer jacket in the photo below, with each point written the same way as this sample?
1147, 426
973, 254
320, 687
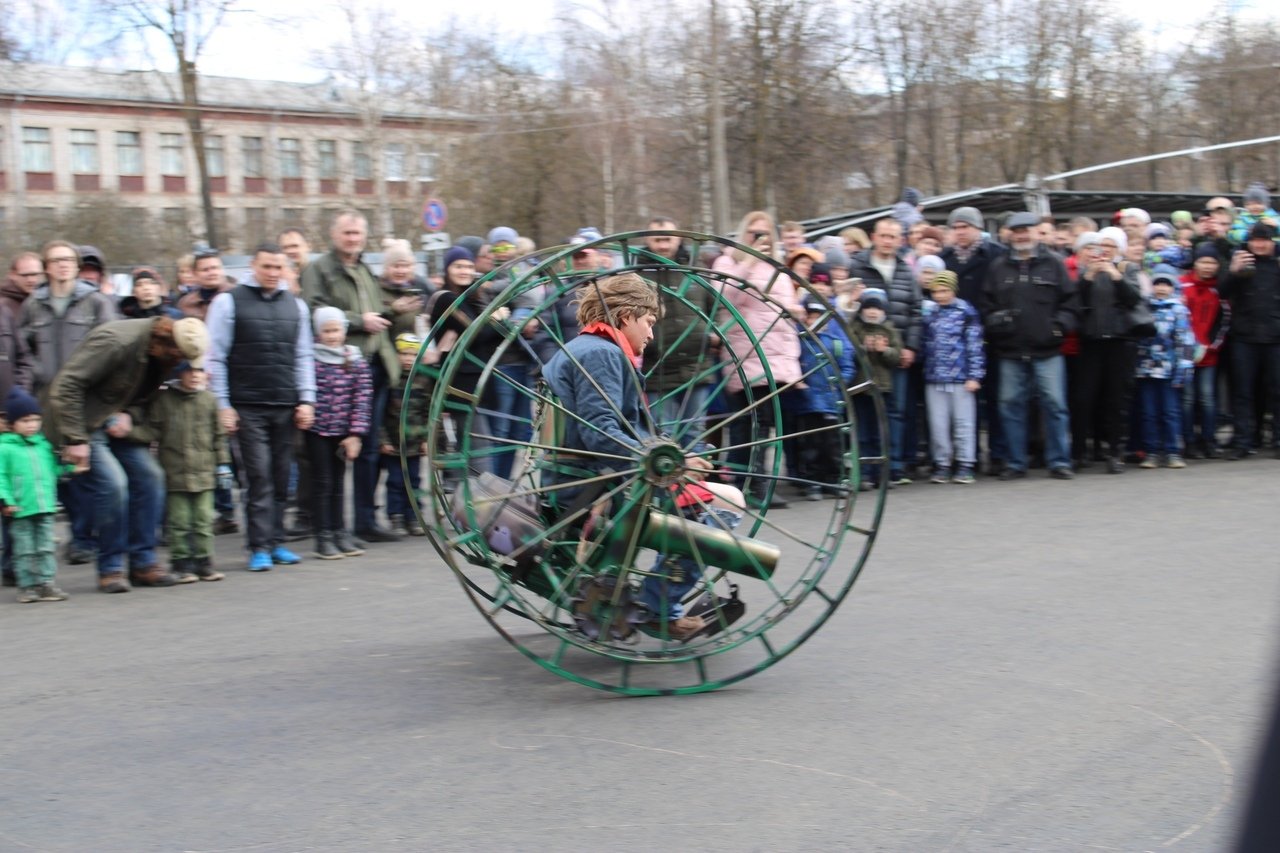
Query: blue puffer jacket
824, 394
952, 343
1167, 355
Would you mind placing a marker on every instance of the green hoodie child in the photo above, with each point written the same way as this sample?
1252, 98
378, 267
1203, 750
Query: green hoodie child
29, 493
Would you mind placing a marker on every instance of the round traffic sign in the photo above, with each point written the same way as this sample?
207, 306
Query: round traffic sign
434, 214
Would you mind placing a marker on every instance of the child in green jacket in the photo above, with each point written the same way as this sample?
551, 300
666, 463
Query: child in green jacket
29, 493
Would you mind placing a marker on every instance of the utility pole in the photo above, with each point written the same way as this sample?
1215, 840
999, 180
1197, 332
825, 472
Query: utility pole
719, 156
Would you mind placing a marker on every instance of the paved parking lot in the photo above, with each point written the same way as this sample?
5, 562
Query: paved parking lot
1029, 666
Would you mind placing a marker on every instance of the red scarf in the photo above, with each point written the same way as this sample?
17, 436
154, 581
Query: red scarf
604, 330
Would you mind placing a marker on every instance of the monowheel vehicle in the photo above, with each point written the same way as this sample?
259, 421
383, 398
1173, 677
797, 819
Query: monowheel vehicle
569, 582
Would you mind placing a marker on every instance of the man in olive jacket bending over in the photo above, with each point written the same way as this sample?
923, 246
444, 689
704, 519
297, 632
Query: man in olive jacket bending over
120, 366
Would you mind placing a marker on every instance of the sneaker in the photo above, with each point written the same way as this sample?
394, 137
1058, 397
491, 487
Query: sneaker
28, 595
185, 576
326, 550
397, 526
940, 476
112, 583
225, 524
1013, 474
282, 556
205, 571
80, 556
900, 478
1115, 465
963, 477
1148, 462
49, 592
348, 545
1062, 473
377, 534
260, 561
414, 526
813, 493
1174, 461
1213, 452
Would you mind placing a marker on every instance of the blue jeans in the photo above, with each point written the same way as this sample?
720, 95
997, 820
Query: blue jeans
401, 500
514, 418
1161, 405
1200, 408
864, 411
76, 495
675, 577
1020, 381
128, 491
680, 415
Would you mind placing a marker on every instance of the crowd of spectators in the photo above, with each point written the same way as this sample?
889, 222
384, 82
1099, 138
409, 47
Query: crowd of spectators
998, 348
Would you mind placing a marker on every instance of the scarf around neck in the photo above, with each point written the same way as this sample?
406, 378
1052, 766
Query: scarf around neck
604, 330
337, 355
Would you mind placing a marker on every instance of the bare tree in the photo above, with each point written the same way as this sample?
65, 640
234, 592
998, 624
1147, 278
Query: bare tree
186, 26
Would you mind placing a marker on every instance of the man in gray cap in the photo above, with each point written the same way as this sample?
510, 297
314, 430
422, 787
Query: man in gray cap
1029, 302
969, 256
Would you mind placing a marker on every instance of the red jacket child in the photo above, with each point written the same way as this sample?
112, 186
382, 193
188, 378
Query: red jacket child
1208, 314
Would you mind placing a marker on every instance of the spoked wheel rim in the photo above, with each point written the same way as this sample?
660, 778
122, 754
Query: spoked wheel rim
575, 610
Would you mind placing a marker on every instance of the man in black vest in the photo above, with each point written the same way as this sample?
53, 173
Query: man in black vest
262, 370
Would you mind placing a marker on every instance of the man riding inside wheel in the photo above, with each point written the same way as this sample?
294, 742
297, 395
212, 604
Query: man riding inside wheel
596, 378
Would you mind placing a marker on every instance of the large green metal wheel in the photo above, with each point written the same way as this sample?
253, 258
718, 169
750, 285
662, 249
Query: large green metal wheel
577, 595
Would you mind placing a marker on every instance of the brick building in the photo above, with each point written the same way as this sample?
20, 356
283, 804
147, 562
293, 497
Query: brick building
82, 145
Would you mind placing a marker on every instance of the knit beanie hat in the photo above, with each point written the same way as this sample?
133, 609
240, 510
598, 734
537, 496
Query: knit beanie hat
1116, 236
471, 243
1158, 229
1257, 193
1136, 213
968, 215
1086, 239
455, 254
946, 279
1181, 219
911, 196
837, 257
328, 314
503, 234
1206, 250
874, 297
19, 404
408, 342
820, 274
930, 263
1262, 231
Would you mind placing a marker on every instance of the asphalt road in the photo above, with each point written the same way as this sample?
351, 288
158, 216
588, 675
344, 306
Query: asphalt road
1025, 666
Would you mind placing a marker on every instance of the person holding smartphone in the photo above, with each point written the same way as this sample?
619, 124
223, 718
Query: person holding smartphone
1252, 286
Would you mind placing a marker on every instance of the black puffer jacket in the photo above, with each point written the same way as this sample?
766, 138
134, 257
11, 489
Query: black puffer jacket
1028, 305
1255, 302
903, 293
1105, 303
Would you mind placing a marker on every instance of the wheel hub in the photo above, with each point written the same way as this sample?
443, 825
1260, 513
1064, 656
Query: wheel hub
663, 463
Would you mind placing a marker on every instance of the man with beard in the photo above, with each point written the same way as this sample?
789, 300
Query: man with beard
1028, 304
116, 370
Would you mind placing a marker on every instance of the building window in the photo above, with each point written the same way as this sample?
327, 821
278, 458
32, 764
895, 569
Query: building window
328, 165
215, 161
251, 148
171, 151
84, 152
128, 152
37, 150
426, 165
361, 165
393, 161
290, 151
